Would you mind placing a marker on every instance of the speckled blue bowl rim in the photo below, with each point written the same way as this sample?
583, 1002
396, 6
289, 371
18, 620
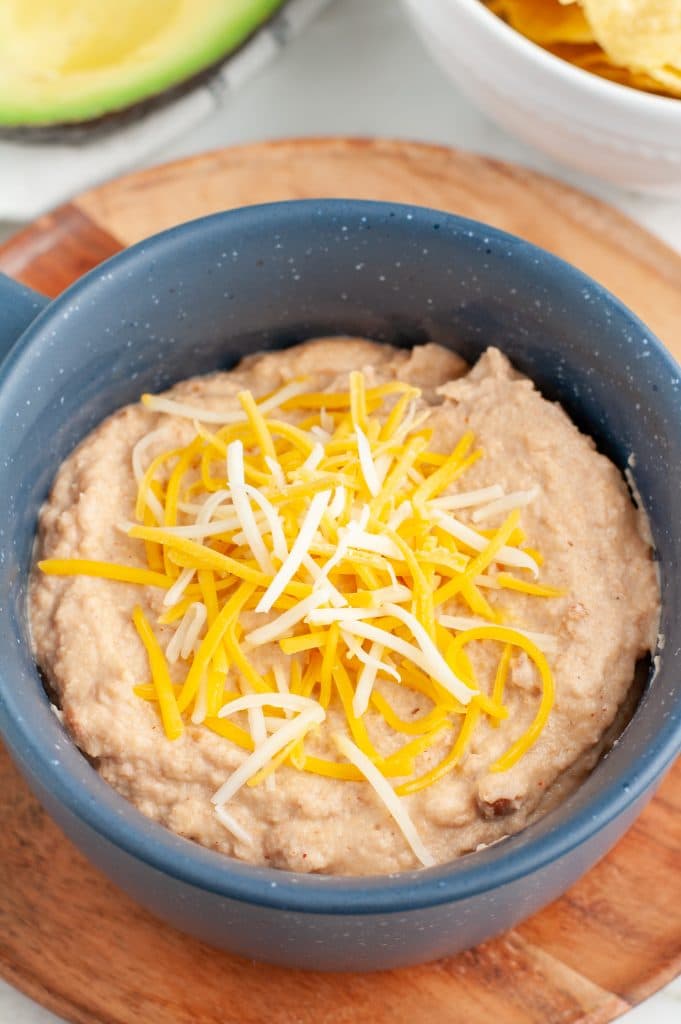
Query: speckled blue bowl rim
464, 878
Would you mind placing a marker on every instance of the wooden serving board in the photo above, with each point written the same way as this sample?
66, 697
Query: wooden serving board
76, 944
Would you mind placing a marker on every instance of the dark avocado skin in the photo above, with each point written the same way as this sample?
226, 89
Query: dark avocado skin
85, 131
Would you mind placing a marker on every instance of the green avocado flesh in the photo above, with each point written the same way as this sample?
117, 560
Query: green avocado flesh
69, 61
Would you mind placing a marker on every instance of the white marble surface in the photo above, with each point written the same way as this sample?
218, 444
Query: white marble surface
359, 70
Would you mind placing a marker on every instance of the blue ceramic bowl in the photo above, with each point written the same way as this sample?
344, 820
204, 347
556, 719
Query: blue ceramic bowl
201, 296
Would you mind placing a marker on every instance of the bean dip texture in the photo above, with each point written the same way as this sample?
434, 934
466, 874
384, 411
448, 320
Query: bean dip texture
595, 550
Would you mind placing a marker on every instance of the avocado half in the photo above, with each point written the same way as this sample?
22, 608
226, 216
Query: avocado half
66, 62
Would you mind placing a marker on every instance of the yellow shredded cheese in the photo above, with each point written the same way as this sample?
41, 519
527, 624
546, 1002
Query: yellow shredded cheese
525, 587
165, 694
511, 636
104, 570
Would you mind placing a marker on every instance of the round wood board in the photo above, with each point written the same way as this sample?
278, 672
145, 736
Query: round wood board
79, 946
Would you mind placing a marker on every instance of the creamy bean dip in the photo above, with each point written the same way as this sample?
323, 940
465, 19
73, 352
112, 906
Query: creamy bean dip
344, 609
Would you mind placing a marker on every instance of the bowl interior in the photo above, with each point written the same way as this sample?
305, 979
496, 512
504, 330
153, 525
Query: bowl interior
201, 296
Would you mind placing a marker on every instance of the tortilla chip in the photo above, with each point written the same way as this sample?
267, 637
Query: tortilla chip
546, 21
642, 35
669, 78
592, 59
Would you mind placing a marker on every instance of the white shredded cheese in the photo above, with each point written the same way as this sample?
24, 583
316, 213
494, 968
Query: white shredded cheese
197, 531
397, 593
433, 658
281, 679
367, 677
366, 462
223, 416
287, 701
174, 593
191, 412
386, 793
280, 397
273, 520
258, 731
192, 636
184, 639
357, 651
475, 540
360, 516
401, 513
320, 579
199, 712
345, 537
326, 420
337, 503
320, 434
516, 499
273, 724
545, 641
410, 423
313, 459
140, 450
138, 453
242, 506
375, 543
233, 826
284, 623
383, 464
192, 508
308, 529
293, 730
276, 471
467, 499
432, 661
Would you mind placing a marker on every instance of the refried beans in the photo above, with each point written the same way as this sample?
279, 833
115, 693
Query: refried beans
463, 732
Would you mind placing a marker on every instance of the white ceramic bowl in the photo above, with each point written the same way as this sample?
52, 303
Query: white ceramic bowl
621, 135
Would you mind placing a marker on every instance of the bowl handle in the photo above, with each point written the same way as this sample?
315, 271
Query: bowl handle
19, 306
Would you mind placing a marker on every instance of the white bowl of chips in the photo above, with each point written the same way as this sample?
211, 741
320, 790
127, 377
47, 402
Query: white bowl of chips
565, 93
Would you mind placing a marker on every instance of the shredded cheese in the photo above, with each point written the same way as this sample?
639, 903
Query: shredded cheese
367, 677
367, 463
310, 559
233, 826
184, 639
242, 507
165, 695
387, 794
472, 539
295, 729
139, 451
103, 570
505, 503
511, 636
288, 701
308, 529
468, 499
178, 588
461, 623
285, 622
313, 459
